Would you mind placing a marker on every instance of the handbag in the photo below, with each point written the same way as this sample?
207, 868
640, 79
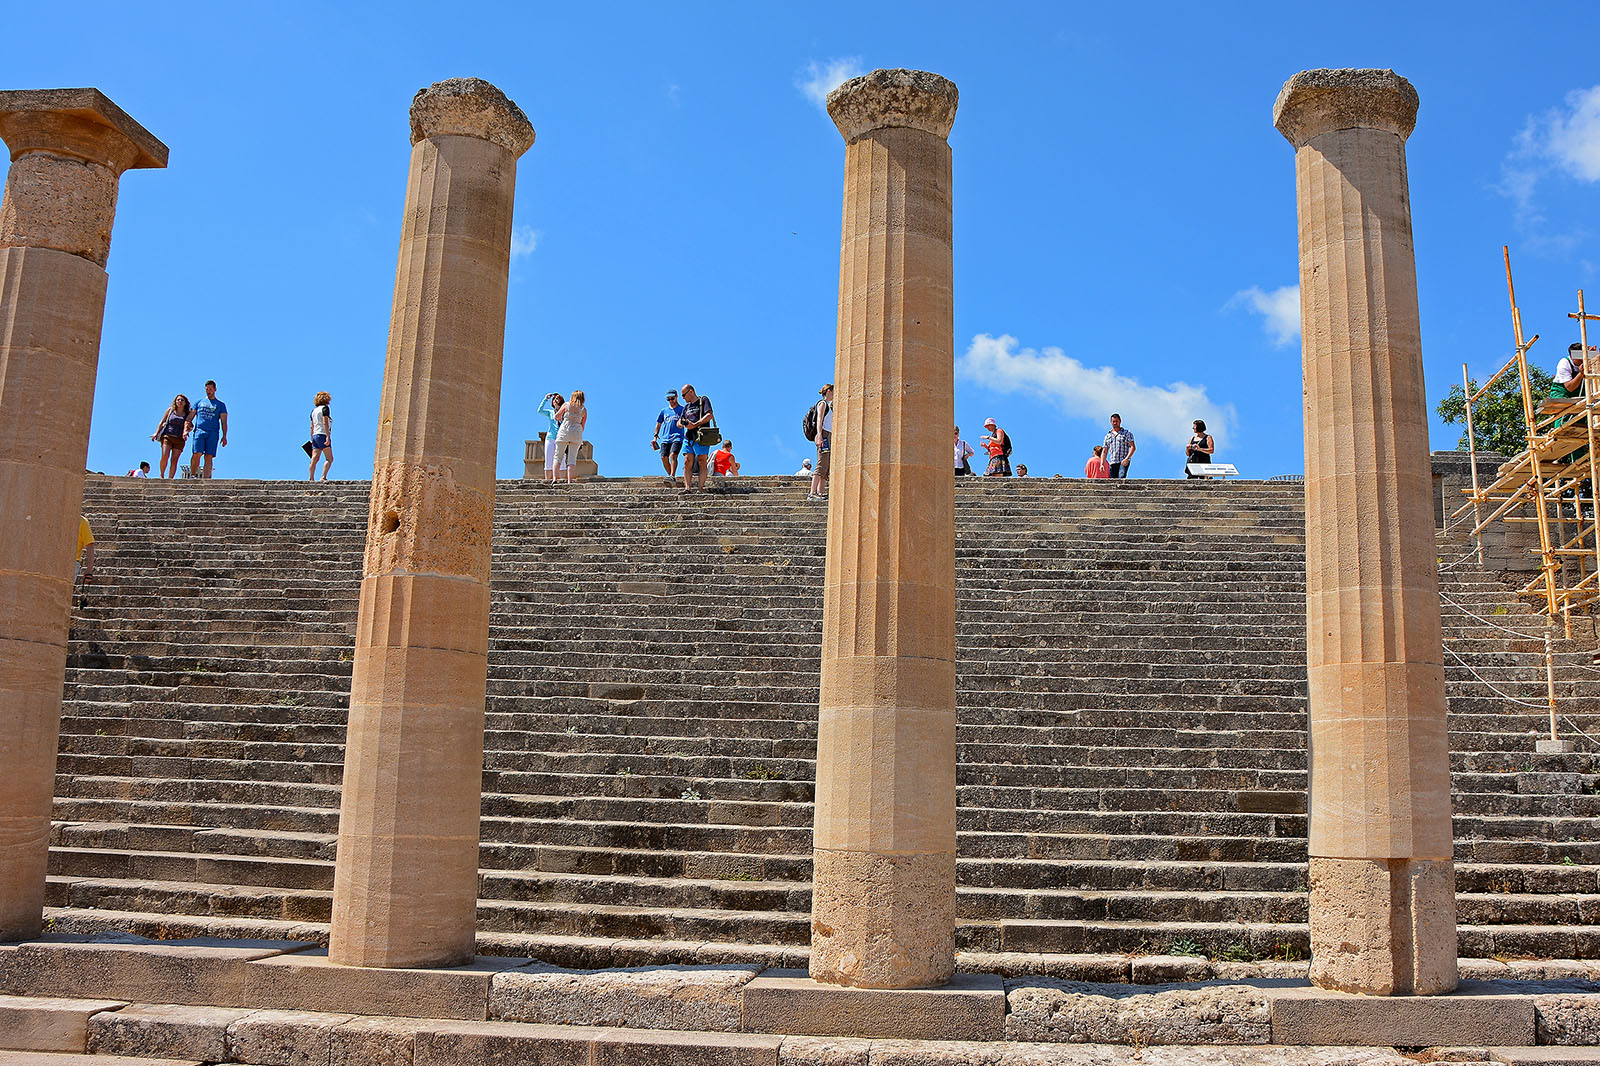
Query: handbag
708, 435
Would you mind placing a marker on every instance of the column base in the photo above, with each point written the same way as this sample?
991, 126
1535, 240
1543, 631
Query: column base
1383, 927
883, 921
970, 1007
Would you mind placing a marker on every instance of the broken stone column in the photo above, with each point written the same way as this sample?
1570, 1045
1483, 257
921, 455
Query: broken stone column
884, 896
405, 887
1382, 875
69, 148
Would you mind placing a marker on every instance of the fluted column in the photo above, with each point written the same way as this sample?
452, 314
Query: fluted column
69, 148
1382, 875
883, 909
405, 887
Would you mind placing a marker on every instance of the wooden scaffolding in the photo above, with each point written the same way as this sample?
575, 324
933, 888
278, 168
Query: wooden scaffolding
1551, 483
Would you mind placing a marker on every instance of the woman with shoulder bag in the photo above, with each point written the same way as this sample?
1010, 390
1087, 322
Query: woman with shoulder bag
964, 454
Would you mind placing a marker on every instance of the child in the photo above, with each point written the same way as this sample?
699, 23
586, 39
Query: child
143, 470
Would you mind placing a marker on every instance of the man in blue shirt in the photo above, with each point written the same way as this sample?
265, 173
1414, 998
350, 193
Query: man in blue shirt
206, 419
672, 446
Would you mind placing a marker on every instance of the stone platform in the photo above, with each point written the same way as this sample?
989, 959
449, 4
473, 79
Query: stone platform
283, 1004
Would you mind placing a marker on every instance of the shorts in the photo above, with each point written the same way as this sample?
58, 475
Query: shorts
691, 448
824, 454
319, 441
203, 442
672, 446
173, 441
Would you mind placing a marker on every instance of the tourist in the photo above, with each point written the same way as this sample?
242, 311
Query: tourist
207, 418
85, 556
819, 472
142, 470
964, 453
1022, 469
552, 403
1202, 446
805, 469
723, 464
1097, 466
321, 434
672, 447
697, 415
573, 416
998, 444
1119, 449
171, 431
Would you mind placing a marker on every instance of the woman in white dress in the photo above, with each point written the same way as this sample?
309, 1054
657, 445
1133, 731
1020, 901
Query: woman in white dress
573, 416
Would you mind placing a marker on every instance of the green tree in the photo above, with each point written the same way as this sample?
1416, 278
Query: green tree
1497, 419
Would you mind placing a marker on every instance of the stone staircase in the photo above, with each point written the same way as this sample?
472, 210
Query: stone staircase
1132, 724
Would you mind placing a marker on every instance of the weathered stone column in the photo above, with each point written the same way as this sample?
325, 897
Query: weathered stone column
1382, 875
405, 887
883, 909
69, 148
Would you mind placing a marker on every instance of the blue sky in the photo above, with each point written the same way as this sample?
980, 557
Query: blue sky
1124, 209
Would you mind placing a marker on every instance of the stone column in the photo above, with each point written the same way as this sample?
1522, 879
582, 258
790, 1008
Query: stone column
405, 886
1382, 875
69, 148
884, 896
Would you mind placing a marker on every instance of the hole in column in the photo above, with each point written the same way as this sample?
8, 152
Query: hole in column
391, 521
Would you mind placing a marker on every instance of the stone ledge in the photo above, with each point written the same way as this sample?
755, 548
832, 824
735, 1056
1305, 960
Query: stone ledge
971, 1007
31, 1023
1480, 1013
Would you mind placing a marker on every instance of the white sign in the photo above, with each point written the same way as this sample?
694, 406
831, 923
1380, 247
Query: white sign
1222, 470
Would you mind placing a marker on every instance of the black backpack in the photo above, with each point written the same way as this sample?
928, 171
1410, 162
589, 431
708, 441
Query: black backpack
808, 424
1005, 446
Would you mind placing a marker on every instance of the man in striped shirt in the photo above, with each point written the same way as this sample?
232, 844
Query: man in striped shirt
1119, 448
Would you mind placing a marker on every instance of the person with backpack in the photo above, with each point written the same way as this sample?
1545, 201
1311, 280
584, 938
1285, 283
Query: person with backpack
997, 442
818, 427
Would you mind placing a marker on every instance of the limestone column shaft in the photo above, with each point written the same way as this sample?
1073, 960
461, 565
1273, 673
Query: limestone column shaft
405, 885
69, 148
883, 910
1382, 876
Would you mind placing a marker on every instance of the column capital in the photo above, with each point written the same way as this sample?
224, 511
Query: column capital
1314, 102
80, 123
470, 107
884, 99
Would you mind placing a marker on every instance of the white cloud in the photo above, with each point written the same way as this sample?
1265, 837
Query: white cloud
820, 79
1162, 413
524, 239
1564, 139
1279, 311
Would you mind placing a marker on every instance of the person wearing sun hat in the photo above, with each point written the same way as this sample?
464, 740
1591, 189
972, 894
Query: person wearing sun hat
997, 442
819, 472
